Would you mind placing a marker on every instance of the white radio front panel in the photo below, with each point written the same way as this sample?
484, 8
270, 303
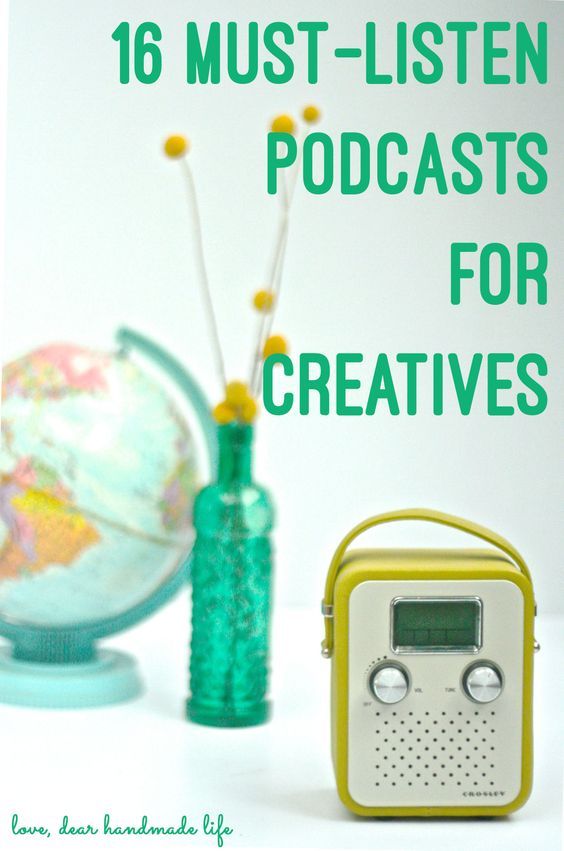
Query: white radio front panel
435, 746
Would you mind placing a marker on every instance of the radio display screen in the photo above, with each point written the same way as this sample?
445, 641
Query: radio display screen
427, 625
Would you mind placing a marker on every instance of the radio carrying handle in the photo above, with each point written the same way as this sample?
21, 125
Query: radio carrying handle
427, 514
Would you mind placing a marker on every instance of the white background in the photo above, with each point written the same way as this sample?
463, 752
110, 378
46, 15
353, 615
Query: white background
97, 237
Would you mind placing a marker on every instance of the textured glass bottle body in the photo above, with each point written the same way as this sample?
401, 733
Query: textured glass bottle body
231, 591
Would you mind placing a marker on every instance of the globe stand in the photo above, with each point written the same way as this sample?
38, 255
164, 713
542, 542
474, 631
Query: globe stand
108, 677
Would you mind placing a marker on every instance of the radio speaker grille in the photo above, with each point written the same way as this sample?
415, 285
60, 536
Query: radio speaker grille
434, 749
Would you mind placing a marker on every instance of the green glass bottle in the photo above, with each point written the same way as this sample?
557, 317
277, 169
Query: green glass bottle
231, 591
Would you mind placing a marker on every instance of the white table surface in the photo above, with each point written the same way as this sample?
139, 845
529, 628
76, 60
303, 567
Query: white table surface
274, 783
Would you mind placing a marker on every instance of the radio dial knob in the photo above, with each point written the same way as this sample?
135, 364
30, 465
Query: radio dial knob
483, 683
389, 684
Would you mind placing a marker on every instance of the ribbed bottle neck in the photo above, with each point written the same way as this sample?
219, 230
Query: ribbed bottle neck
235, 456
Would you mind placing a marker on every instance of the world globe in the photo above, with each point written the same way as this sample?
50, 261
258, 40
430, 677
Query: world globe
98, 474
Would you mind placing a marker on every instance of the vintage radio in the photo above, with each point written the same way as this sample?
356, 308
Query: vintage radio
432, 674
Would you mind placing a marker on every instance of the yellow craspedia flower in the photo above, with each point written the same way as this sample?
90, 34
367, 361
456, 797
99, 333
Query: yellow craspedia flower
236, 393
249, 410
275, 345
176, 146
283, 124
223, 413
263, 300
311, 114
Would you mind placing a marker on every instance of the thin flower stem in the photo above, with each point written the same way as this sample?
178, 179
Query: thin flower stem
202, 270
269, 317
278, 248
300, 136
274, 275
277, 254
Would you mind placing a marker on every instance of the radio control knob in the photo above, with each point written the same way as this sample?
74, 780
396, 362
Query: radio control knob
482, 682
389, 683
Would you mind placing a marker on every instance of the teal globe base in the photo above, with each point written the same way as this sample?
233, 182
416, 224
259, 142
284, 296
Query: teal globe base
111, 677
209, 716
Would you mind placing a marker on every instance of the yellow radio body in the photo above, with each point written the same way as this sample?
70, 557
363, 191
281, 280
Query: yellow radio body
432, 675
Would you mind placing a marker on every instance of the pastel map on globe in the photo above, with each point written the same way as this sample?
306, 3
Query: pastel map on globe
97, 481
